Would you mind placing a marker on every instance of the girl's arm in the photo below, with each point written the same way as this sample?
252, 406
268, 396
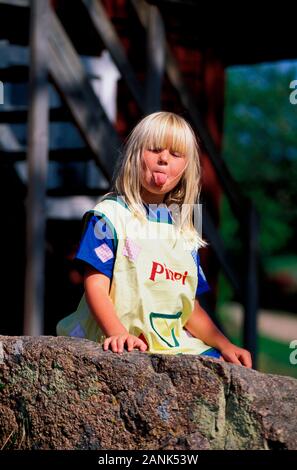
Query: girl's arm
201, 326
97, 295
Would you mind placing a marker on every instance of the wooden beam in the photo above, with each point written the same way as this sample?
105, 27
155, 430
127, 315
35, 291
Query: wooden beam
37, 169
250, 232
155, 60
70, 78
62, 155
110, 39
190, 3
16, 3
14, 74
217, 245
19, 115
79, 191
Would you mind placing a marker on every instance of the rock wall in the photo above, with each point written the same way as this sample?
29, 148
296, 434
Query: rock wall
66, 393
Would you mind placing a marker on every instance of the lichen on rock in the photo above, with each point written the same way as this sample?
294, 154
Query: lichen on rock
67, 393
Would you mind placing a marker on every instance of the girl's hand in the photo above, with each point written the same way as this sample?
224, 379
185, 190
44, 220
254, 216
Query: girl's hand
117, 342
236, 355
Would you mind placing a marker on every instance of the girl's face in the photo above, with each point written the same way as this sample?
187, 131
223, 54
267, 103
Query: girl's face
162, 169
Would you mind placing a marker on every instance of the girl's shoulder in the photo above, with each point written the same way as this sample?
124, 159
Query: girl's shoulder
110, 201
112, 209
191, 240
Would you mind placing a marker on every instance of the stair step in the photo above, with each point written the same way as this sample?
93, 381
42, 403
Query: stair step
75, 191
20, 115
59, 155
15, 20
69, 208
14, 74
14, 3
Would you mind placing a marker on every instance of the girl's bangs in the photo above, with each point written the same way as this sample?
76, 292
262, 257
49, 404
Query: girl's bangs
173, 137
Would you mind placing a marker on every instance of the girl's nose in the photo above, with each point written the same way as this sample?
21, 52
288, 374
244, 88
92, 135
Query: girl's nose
163, 155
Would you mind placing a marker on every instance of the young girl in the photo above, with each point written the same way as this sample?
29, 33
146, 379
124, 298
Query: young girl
140, 249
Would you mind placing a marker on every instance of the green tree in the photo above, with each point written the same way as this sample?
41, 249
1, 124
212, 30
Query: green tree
260, 149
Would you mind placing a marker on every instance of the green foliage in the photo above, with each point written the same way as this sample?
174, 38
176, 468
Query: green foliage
225, 289
260, 149
273, 354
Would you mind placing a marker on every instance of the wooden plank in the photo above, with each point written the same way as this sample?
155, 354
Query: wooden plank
190, 3
155, 60
110, 39
64, 210
37, 170
217, 245
78, 191
67, 155
20, 115
251, 294
237, 201
15, 3
71, 80
14, 74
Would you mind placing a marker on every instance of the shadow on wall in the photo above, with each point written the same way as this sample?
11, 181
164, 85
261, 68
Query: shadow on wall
12, 242
63, 278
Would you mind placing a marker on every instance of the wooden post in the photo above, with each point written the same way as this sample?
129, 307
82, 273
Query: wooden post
37, 169
156, 43
251, 284
110, 39
69, 76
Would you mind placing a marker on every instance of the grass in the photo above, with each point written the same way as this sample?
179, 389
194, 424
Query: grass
273, 355
286, 263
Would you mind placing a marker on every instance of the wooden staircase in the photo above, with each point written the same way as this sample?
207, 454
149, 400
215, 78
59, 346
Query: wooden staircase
55, 59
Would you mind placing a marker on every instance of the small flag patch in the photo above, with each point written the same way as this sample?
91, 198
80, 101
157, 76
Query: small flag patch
131, 250
104, 253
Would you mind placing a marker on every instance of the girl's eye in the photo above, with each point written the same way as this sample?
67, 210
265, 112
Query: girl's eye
155, 150
160, 149
176, 154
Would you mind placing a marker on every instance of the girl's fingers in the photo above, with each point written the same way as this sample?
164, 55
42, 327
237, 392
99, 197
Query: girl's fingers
142, 346
135, 343
232, 358
114, 344
246, 359
121, 341
130, 343
106, 344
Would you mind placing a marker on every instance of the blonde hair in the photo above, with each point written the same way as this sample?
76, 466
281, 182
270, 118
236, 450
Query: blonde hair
159, 130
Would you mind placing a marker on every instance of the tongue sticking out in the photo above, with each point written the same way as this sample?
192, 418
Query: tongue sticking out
160, 178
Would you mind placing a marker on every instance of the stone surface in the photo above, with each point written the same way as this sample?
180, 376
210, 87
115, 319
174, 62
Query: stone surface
66, 393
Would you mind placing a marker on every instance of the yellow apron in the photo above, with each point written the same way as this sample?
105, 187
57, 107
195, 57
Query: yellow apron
153, 285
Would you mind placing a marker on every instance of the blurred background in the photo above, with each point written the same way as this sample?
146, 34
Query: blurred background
77, 76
